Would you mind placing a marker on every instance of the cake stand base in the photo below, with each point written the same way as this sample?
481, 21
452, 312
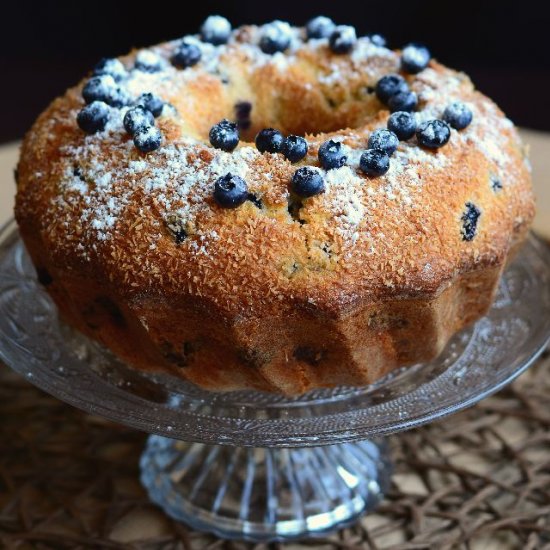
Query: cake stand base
265, 494
273, 480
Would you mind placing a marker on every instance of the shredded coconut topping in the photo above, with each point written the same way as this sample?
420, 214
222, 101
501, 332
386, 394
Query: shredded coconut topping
178, 178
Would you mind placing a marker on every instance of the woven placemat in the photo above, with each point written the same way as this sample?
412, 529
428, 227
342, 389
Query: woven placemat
478, 479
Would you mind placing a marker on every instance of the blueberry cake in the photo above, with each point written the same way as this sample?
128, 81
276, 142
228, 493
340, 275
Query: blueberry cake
272, 207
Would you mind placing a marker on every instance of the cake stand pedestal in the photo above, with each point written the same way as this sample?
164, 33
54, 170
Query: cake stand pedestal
259, 466
264, 494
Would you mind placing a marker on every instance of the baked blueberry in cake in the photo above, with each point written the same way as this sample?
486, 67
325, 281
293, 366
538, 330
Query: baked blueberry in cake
273, 207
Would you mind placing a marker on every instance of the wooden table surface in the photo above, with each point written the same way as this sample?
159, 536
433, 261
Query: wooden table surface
539, 143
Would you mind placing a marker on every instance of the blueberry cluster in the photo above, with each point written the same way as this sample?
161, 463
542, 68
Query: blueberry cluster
393, 91
105, 88
215, 30
375, 161
341, 38
103, 92
436, 133
139, 122
382, 143
294, 148
230, 191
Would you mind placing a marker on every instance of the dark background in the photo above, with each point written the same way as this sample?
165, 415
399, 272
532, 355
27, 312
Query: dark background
46, 47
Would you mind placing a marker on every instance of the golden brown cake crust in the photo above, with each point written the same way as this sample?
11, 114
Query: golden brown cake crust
372, 274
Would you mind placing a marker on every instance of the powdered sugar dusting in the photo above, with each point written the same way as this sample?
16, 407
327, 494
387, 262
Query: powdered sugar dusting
175, 178
344, 199
489, 131
365, 57
177, 181
365, 49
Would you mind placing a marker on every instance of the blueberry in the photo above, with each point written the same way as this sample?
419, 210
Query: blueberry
276, 37
320, 27
414, 58
307, 181
147, 138
93, 117
255, 200
403, 101
342, 39
180, 235
383, 140
186, 55
224, 135
377, 40
374, 162
216, 30
402, 124
433, 134
294, 148
138, 118
104, 88
269, 140
496, 183
148, 62
112, 67
331, 155
469, 220
177, 227
242, 114
458, 115
151, 102
390, 85
230, 191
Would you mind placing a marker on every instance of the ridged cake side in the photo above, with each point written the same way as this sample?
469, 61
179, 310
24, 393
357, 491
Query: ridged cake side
289, 353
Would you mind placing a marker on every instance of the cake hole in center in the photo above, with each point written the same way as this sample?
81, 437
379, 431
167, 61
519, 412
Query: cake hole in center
317, 111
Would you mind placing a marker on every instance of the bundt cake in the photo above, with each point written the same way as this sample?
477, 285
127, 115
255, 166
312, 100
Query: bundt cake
271, 207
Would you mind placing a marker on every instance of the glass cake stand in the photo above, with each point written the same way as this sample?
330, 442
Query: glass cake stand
259, 466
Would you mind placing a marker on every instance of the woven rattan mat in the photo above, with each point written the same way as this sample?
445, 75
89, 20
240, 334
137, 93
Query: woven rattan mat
478, 479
